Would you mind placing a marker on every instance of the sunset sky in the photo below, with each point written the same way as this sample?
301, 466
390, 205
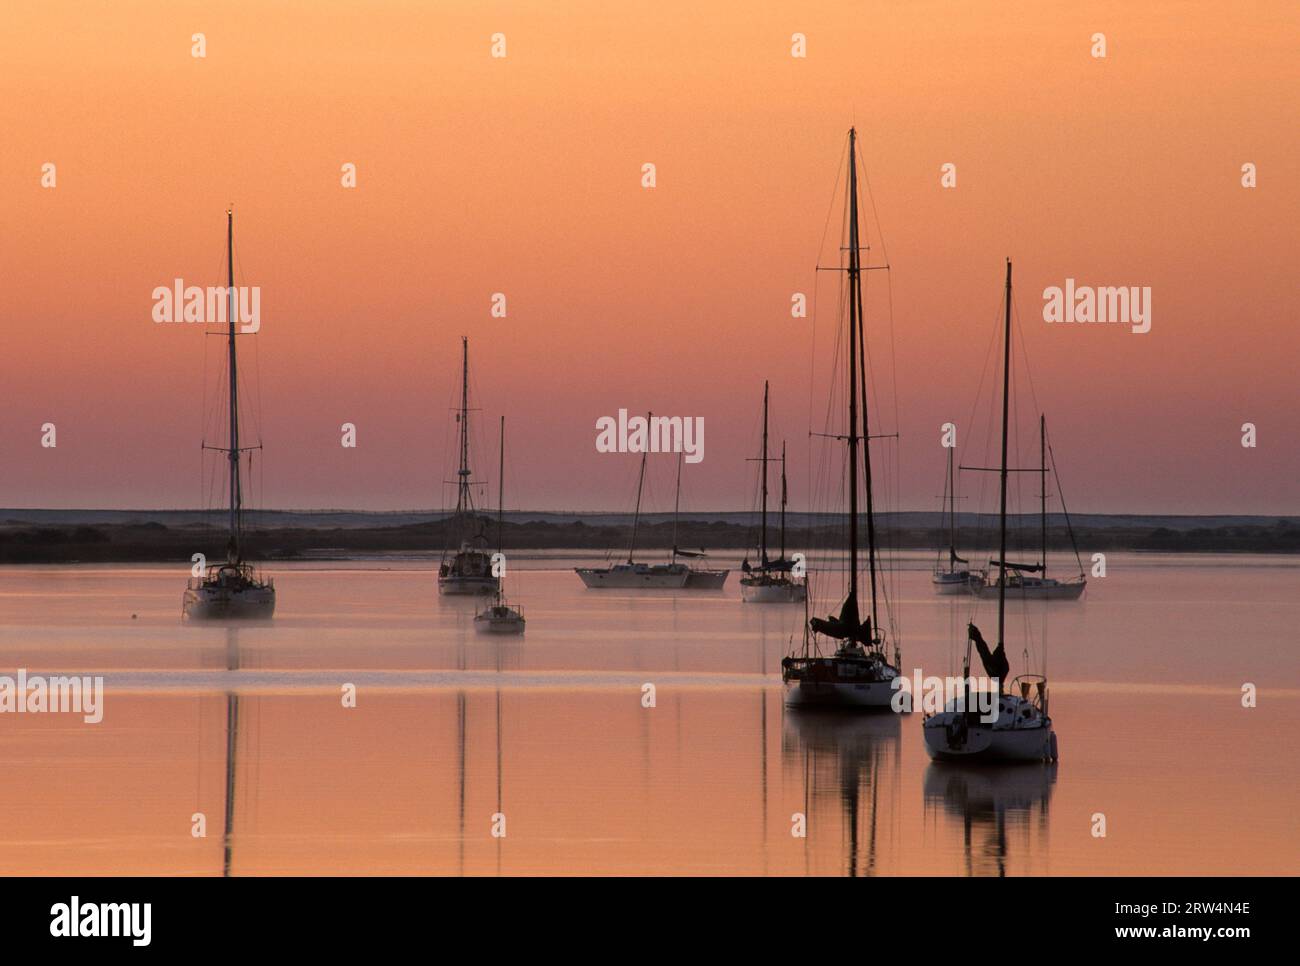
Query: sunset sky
522, 175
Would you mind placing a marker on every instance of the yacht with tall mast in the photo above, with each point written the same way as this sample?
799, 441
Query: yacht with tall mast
1016, 726
234, 589
951, 579
770, 582
468, 569
634, 574
500, 617
857, 674
1030, 581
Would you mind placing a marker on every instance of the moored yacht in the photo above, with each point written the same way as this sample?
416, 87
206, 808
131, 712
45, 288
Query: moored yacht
771, 581
857, 674
234, 589
1016, 725
500, 617
952, 579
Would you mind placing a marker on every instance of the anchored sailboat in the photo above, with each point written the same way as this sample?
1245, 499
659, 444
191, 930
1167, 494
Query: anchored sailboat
951, 579
500, 617
1030, 581
467, 570
857, 674
234, 589
771, 582
1018, 727
632, 574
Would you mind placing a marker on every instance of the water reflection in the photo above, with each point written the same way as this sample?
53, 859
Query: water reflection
849, 766
994, 805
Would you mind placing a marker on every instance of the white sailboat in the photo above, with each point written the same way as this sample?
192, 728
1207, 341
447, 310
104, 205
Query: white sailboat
771, 582
857, 675
235, 589
951, 579
500, 617
468, 569
1018, 727
634, 575
1030, 581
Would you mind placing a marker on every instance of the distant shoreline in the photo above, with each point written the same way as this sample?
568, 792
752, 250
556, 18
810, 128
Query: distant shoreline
68, 536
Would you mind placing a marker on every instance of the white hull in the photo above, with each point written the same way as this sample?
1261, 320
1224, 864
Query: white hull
215, 603
467, 586
782, 593
847, 695
950, 582
985, 742
632, 578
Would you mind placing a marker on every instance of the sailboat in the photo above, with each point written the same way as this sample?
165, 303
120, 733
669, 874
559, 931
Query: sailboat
857, 674
467, 570
770, 582
1030, 581
697, 578
951, 579
633, 574
500, 617
1019, 728
234, 589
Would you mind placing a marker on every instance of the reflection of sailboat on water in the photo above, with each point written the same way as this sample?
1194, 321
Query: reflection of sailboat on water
232, 745
1018, 728
770, 582
988, 801
853, 762
857, 674
234, 589
468, 569
500, 617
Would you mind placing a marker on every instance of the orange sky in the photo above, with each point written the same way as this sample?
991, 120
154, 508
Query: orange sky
522, 175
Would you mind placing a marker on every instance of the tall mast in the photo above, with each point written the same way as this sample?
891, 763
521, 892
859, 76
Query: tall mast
782, 502
952, 509
501, 485
763, 531
636, 517
853, 366
1002, 520
677, 503
1042, 451
233, 552
462, 488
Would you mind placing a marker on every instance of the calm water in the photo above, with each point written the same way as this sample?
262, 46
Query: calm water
451, 728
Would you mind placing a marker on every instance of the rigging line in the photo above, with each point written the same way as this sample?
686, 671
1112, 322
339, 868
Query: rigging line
1064, 510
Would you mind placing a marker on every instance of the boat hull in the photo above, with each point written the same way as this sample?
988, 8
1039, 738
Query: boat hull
493, 625
843, 695
947, 583
787, 592
209, 603
984, 742
706, 579
467, 586
606, 579
1071, 590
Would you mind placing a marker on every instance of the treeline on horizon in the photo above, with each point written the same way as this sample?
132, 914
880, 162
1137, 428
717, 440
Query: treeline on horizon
155, 542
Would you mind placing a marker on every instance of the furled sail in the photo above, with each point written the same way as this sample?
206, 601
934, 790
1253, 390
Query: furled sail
1012, 565
846, 627
995, 662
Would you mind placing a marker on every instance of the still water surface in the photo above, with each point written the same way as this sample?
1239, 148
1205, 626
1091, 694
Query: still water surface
451, 728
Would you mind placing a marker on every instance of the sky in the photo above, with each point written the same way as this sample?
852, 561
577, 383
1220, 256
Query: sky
523, 175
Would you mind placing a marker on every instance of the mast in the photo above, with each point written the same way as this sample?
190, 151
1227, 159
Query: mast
855, 293
501, 485
1002, 518
952, 511
783, 495
677, 504
233, 551
462, 475
636, 517
1042, 457
763, 531
853, 369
